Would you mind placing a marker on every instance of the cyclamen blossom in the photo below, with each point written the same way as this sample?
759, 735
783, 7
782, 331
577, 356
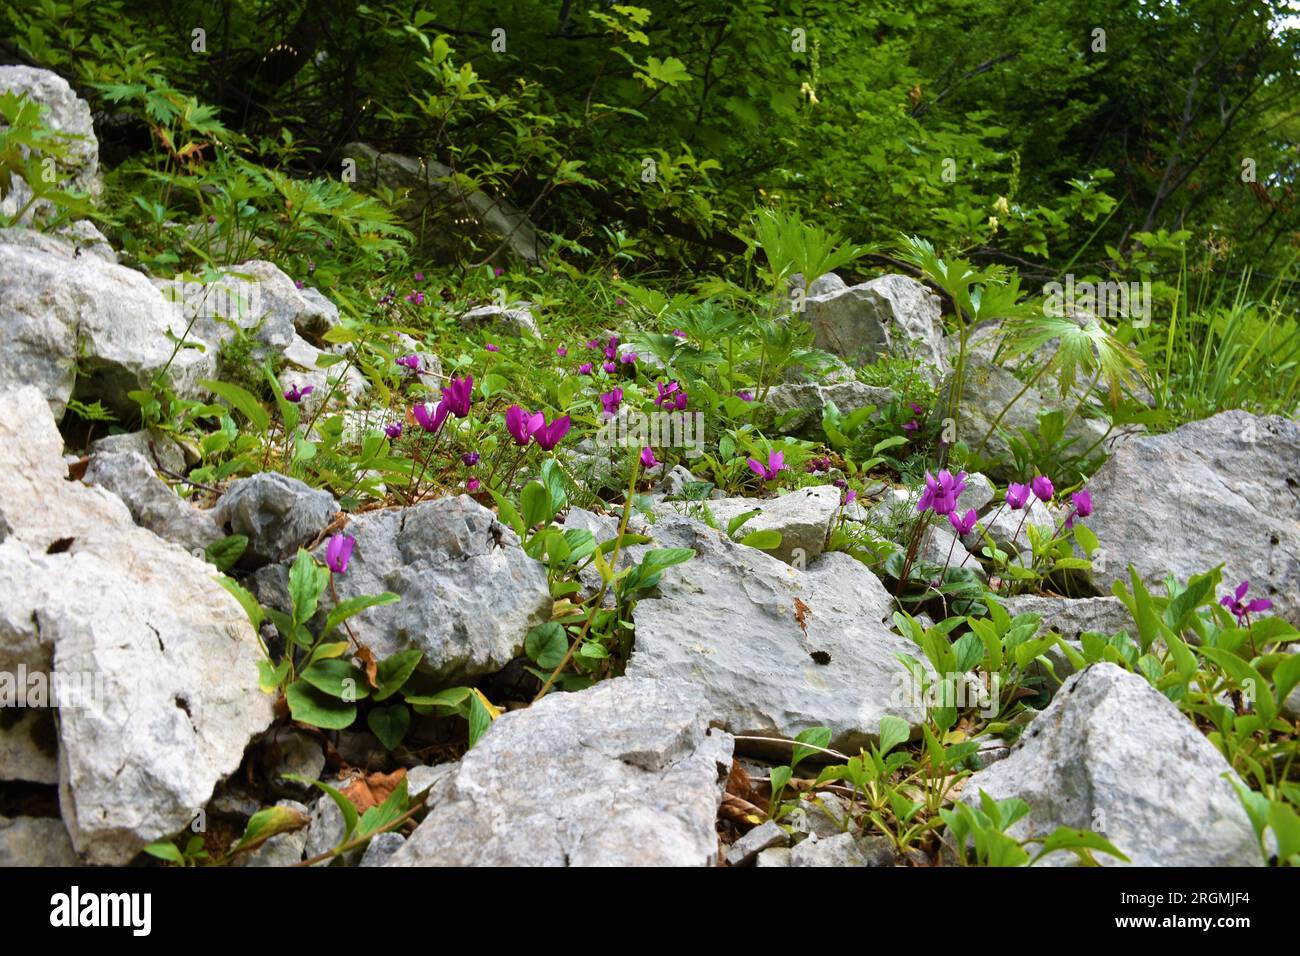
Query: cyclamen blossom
492, 348
628, 358
679, 333
522, 424
610, 401
610, 367
430, 418
339, 551
411, 362
941, 493
1017, 496
415, 298
1082, 501
393, 431
849, 497
1042, 488
419, 277
458, 395
470, 458
584, 368
549, 436
775, 465
963, 525
561, 351
671, 395
297, 393
648, 459
472, 485
1243, 611
745, 395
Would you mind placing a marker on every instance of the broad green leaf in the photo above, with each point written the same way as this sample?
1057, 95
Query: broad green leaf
243, 400
350, 607
394, 671
267, 823
546, 645
817, 736
893, 731
309, 705
389, 724
307, 581
339, 678
765, 540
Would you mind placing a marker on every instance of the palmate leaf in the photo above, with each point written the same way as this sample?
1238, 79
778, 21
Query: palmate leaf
1086, 349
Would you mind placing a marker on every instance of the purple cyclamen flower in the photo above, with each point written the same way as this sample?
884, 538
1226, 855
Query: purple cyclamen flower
458, 395
816, 465
679, 333
523, 424
1082, 501
430, 419
498, 271
411, 362
1243, 611
1042, 488
610, 401
916, 409
671, 395
620, 301
549, 436
472, 485
212, 220
561, 351
339, 551
393, 431
593, 343
775, 465
470, 458
584, 368
610, 367
628, 358
298, 284
745, 395
962, 525
297, 393
419, 277
941, 493
415, 298
911, 426
492, 348
849, 497
648, 459
1017, 496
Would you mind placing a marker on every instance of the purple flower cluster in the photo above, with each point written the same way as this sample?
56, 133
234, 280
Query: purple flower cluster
671, 395
941, 493
525, 426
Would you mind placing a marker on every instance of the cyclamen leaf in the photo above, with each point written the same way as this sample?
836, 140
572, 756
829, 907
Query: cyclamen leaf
267, 823
311, 706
